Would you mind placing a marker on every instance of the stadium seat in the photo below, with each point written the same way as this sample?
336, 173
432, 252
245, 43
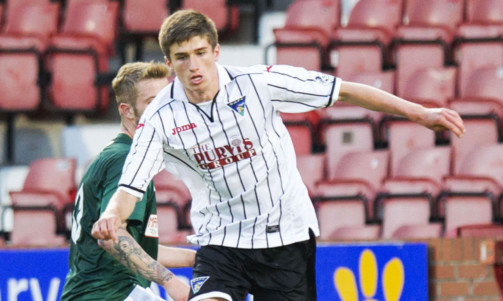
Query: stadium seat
401, 211
357, 174
404, 136
312, 170
431, 230
141, 20
167, 217
169, 189
226, 17
344, 219
84, 44
482, 94
484, 230
480, 131
22, 45
484, 19
420, 171
50, 183
35, 227
345, 137
306, 33
302, 136
427, 34
464, 209
432, 87
361, 46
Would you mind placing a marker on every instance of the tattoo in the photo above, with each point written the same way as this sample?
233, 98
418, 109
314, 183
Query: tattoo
128, 252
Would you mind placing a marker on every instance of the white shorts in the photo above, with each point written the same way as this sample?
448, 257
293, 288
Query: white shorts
142, 294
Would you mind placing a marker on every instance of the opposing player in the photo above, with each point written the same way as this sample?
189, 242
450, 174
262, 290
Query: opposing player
95, 274
219, 128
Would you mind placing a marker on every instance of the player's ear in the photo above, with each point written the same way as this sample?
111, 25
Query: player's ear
167, 61
126, 110
216, 52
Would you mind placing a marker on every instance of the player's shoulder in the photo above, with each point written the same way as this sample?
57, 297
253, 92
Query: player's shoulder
237, 71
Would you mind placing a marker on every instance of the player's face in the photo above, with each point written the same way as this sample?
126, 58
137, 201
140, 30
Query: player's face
147, 89
193, 62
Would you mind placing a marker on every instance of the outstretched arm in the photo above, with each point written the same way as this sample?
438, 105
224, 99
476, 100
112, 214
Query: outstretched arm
128, 252
365, 96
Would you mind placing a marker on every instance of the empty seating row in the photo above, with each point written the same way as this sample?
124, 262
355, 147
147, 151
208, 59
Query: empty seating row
406, 35
363, 191
40, 212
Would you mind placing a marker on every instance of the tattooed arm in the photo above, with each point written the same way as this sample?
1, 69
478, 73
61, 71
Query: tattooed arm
128, 252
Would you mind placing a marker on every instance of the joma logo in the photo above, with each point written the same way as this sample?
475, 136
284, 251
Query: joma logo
183, 128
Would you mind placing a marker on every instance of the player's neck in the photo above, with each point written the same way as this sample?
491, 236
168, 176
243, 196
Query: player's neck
128, 128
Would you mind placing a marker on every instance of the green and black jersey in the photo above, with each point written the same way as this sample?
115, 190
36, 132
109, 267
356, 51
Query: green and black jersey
94, 274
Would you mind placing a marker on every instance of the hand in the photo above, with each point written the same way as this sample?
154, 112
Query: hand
441, 119
177, 289
106, 226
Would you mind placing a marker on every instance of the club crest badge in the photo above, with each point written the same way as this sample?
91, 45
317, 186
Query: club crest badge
238, 105
197, 283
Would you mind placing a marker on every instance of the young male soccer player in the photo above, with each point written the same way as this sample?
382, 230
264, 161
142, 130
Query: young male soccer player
219, 128
95, 274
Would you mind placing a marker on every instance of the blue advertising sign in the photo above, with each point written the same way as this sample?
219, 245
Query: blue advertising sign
389, 272
350, 272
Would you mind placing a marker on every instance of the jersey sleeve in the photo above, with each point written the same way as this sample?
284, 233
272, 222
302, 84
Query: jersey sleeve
111, 179
144, 161
295, 90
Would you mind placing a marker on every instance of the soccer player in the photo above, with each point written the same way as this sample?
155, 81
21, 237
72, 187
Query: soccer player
218, 127
95, 274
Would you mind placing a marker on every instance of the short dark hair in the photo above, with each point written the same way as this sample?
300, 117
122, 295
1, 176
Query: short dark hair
184, 25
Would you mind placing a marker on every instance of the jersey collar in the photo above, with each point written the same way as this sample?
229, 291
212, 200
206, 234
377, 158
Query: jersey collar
178, 92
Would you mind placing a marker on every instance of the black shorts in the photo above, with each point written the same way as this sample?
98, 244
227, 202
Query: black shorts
278, 274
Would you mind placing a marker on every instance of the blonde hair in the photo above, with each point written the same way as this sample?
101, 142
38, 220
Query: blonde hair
184, 25
129, 75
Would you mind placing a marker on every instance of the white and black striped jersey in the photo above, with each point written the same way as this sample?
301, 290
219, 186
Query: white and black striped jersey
234, 154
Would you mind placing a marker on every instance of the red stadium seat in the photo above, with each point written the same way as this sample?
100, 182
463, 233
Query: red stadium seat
141, 20
226, 17
404, 136
362, 45
312, 170
343, 138
358, 174
169, 189
483, 93
344, 219
431, 230
461, 210
484, 230
404, 211
479, 132
431, 86
302, 136
484, 11
479, 175
167, 218
144, 17
35, 227
85, 44
306, 33
50, 183
433, 23
420, 171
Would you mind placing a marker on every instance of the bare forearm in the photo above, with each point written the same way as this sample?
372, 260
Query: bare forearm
378, 100
128, 252
176, 257
122, 203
